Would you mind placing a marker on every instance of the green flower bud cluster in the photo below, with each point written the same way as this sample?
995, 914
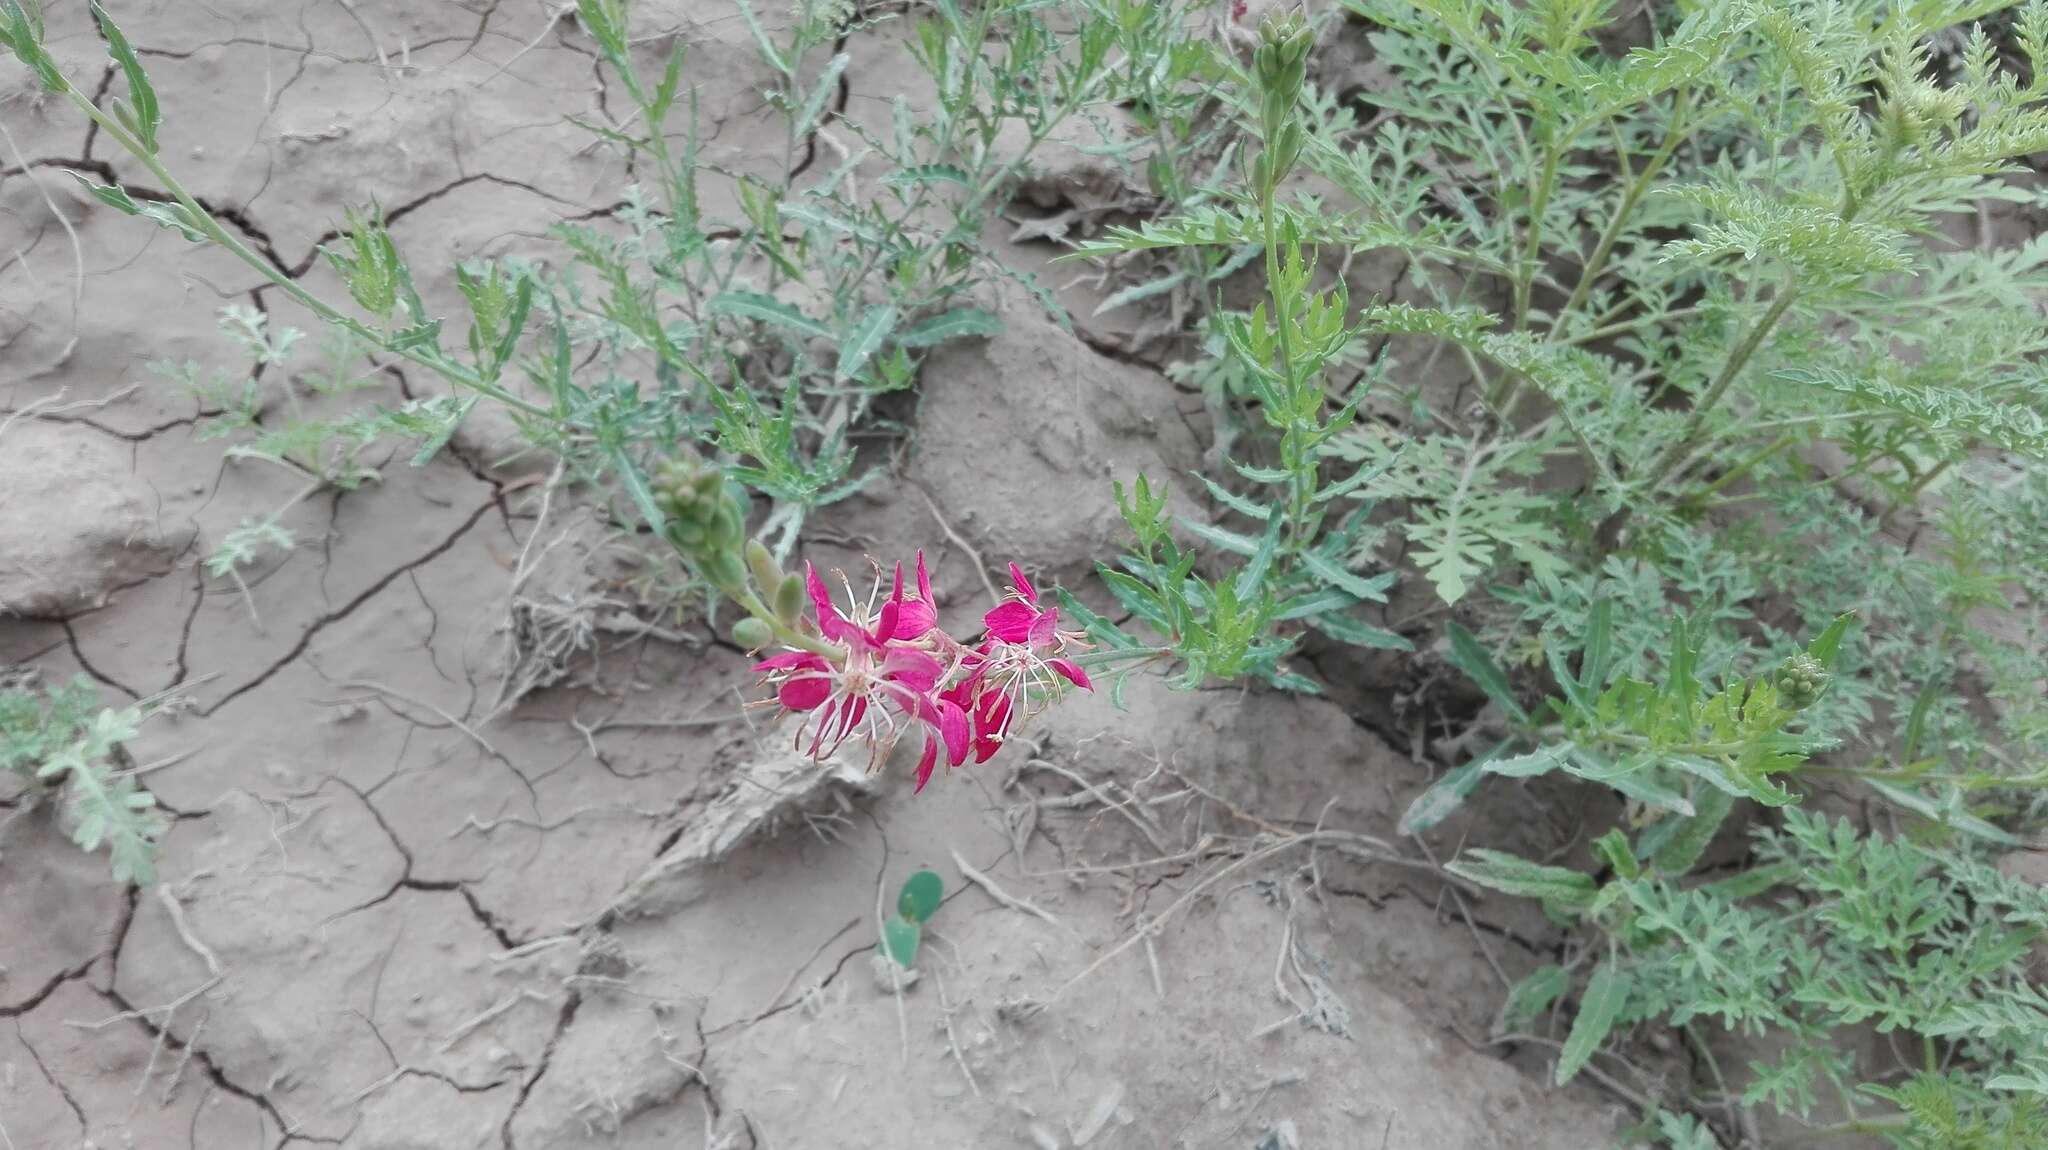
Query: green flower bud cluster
707, 525
1280, 65
1800, 679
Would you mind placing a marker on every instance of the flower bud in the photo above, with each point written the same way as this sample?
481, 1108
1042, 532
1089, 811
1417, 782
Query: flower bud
761, 561
752, 634
722, 568
789, 598
724, 530
685, 534
1800, 679
1281, 60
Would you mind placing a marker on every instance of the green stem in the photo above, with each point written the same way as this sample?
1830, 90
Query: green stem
221, 237
1743, 468
1119, 654
1729, 372
1622, 327
1532, 243
1632, 195
1302, 481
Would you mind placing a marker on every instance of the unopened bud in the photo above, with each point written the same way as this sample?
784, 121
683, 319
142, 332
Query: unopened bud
761, 561
725, 531
789, 598
752, 634
1800, 679
722, 568
685, 534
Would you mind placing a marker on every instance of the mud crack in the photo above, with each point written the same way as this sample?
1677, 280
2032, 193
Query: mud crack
345, 610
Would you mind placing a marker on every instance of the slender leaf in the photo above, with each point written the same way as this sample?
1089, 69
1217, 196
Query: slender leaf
864, 341
1606, 995
1524, 879
767, 309
1468, 656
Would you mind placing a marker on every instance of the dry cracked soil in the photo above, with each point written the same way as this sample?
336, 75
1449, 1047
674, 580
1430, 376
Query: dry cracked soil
397, 914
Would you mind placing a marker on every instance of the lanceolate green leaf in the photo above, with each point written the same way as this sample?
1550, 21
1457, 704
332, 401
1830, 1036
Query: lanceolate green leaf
1345, 629
766, 309
864, 341
960, 323
141, 115
1561, 886
1468, 656
822, 89
1606, 995
1443, 797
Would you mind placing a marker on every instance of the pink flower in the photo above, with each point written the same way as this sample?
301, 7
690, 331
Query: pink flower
876, 682
899, 617
1020, 667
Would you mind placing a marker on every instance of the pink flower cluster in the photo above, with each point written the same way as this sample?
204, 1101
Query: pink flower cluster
880, 671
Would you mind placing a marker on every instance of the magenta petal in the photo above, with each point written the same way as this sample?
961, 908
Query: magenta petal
830, 623
1073, 672
787, 660
924, 582
823, 721
991, 723
913, 620
803, 693
1011, 622
929, 760
953, 728
914, 669
1023, 584
1045, 628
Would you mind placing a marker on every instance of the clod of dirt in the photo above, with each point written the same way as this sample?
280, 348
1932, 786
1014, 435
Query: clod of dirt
75, 524
60, 897
1030, 427
889, 977
764, 796
1071, 168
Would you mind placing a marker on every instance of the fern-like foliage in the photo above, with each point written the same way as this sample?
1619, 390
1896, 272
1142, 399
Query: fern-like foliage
1465, 506
64, 744
1833, 928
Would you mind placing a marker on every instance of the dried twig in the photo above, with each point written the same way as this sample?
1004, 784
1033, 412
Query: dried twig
1002, 896
176, 910
980, 564
524, 994
1348, 839
953, 1042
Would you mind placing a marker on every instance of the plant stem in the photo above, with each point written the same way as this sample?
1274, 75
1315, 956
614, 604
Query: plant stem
1638, 183
1739, 470
1729, 371
221, 237
1302, 480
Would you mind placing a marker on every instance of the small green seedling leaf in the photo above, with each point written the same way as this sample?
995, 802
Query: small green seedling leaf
919, 899
1444, 796
1829, 643
900, 940
864, 341
766, 309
